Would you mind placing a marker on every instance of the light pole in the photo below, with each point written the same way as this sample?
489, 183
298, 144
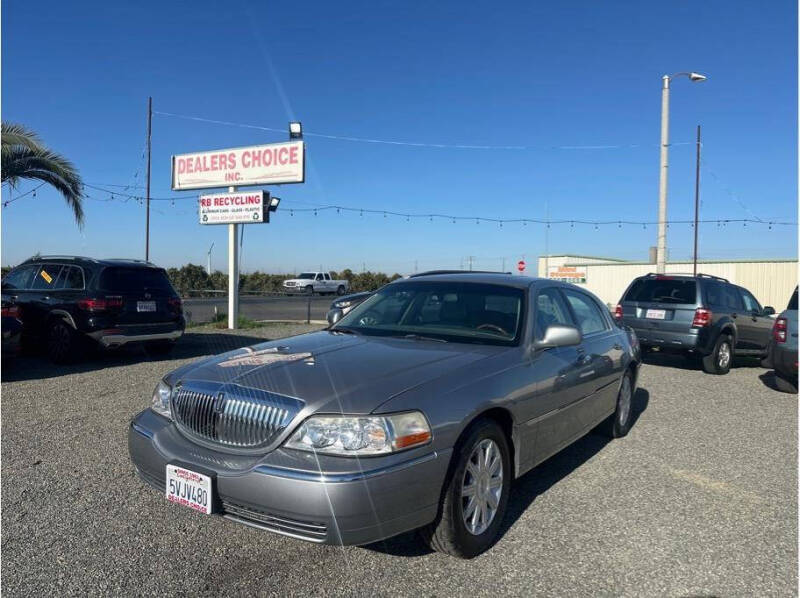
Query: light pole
208, 270
661, 246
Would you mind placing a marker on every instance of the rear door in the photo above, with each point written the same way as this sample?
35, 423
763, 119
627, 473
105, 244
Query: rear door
145, 294
42, 298
754, 327
660, 303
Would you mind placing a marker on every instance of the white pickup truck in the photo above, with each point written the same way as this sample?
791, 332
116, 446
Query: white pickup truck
316, 282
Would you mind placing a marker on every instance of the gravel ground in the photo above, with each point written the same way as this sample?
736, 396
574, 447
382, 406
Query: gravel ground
699, 499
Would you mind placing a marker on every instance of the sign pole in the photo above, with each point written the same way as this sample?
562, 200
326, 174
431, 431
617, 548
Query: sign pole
147, 210
233, 273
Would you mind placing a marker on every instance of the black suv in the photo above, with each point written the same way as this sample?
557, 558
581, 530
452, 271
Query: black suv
67, 303
703, 316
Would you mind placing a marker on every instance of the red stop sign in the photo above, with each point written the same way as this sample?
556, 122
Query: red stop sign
521, 265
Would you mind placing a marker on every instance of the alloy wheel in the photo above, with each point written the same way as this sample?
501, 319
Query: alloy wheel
724, 355
482, 486
625, 400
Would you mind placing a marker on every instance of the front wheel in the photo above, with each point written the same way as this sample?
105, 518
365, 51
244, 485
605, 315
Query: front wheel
721, 358
309, 290
475, 496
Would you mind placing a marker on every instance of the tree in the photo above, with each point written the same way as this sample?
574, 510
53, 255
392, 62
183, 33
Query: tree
24, 157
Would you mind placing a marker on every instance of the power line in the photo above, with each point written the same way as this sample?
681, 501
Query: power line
10, 201
414, 143
454, 218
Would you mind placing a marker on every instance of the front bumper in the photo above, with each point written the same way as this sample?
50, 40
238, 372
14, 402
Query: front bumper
318, 498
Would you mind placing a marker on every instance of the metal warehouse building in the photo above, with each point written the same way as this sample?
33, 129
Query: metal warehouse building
771, 281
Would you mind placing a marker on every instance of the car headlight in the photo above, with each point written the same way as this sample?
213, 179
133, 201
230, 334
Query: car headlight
161, 395
343, 304
356, 436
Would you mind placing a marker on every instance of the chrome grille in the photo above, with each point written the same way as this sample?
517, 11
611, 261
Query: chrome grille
245, 418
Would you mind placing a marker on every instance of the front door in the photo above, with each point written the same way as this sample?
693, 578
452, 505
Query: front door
754, 327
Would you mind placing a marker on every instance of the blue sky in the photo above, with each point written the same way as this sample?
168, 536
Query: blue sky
537, 74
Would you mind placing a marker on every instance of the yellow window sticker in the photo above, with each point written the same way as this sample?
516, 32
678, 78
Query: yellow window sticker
46, 276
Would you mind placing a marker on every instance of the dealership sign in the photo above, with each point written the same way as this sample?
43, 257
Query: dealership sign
270, 164
232, 208
573, 274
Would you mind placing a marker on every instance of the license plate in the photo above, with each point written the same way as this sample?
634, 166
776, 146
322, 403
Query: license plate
655, 314
189, 488
145, 306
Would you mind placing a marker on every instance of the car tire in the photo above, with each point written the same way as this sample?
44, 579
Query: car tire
159, 347
340, 290
619, 423
63, 345
309, 290
719, 361
449, 532
784, 384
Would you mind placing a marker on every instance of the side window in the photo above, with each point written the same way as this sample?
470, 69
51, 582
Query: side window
20, 278
319, 276
586, 311
71, 278
46, 277
750, 303
327, 276
713, 293
550, 309
731, 298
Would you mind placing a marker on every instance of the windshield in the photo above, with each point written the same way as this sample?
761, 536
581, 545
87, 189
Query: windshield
450, 311
307, 275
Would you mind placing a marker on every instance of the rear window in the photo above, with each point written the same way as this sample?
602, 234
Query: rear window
120, 279
793, 301
663, 290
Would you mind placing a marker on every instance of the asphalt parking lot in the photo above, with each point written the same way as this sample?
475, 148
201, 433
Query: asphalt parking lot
699, 499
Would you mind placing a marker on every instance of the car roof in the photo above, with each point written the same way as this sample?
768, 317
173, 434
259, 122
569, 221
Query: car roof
82, 260
500, 278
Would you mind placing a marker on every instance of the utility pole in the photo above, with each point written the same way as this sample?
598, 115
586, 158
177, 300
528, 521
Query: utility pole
503, 269
208, 269
547, 240
470, 263
696, 200
233, 273
147, 210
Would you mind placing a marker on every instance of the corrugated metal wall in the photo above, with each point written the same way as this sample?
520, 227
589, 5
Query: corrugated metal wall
772, 282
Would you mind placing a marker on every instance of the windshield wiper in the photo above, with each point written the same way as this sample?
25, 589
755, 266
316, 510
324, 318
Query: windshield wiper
419, 337
345, 331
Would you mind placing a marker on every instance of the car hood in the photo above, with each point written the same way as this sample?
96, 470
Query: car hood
333, 372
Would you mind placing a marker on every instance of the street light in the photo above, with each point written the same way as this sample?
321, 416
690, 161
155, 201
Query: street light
273, 203
661, 248
295, 130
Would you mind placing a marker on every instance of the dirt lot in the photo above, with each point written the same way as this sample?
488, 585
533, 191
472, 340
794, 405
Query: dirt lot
699, 499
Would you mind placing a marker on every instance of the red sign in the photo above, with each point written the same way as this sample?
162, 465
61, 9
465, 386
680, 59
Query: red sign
521, 265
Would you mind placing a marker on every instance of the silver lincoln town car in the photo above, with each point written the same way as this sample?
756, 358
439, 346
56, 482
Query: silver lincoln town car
415, 410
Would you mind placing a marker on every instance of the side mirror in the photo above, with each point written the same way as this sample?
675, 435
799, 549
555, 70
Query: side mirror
334, 315
769, 310
559, 335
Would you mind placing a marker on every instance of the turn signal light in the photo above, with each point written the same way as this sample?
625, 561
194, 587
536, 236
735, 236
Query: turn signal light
175, 304
779, 330
702, 317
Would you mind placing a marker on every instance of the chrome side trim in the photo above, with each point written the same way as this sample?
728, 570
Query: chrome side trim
141, 430
334, 478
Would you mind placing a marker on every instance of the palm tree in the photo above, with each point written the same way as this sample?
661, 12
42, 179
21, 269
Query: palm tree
24, 157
